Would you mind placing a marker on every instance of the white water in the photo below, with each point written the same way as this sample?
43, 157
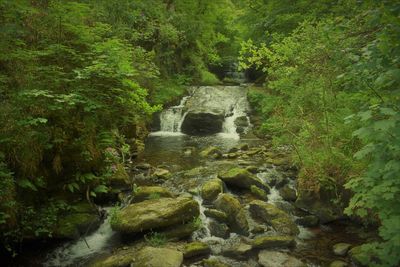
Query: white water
72, 252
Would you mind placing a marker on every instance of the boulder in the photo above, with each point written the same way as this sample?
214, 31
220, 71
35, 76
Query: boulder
211, 152
155, 213
237, 250
277, 218
119, 177
242, 178
211, 189
162, 173
151, 192
241, 124
196, 249
216, 214
271, 242
338, 264
158, 257
341, 249
119, 258
236, 214
218, 229
202, 123
214, 263
274, 259
181, 231
252, 169
288, 193
258, 193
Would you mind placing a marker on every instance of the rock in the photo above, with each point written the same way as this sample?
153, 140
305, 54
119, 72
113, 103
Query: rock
236, 214
243, 147
338, 264
211, 152
119, 177
341, 249
143, 166
202, 123
158, 257
233, 150
308, 221
288, 193
359, 257
253, 151
214, 263
239, 250
151, 192
211, 189
181, 231
277, 218
232, 155
242, 178
83, 218
218, 229
216, 214
274, 259
196, 249
274, 178
162, 173
119, 258
241, 124
274, 242
258, 193
155, 213
252, 169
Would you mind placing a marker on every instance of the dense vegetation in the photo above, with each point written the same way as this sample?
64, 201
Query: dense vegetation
80, 79
332, 91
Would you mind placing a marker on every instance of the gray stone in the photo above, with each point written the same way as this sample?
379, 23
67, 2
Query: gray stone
278, 259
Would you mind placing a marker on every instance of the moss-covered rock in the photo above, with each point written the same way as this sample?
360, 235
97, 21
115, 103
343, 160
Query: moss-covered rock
216, 214
341, 249
180, 231
161, 173
119, 258
272, 242
242, 178
149, 192
155, 213
214, 263
308, 221
277, 218
196, 249
211, 189
236, 214
158, 257
338, 264
288, 193
119, 177
359, 256
211, 152
258, 193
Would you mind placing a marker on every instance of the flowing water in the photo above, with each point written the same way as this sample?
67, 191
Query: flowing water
179, 153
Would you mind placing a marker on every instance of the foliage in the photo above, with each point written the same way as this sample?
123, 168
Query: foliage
156, 239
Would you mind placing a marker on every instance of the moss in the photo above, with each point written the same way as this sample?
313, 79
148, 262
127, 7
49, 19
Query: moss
196, 249
258, 193
208, 78
274, 242
72, 225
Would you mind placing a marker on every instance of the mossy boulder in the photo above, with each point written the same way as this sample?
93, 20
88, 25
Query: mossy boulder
242, 178
119, 178
308, 221
272, 242
158, 257
216, 214
211, 152
214, 263
338, 264
161, 173
196, 249
149, 192
211, 189
258, 193
236, 215
119, 258
155, 213
288, 193
277, 218
341, 249
180, 231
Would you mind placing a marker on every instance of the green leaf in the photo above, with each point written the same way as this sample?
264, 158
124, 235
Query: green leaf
26, 184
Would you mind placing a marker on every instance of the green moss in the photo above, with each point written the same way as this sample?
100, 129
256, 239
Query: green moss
208, 78
195, 249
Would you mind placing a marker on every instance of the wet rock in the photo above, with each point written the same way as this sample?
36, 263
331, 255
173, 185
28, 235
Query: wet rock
274, 178
233, 149
151, 192
232, 155
338, 264
218, 229
258, 193
83, 218
252, 169
241, 124
236, 214
308, 221
274, 242
277, 218
162, 173
119, 258
158, 257
211, 189
243, 147
119, 177
214, 263
341, 249
211, 152
274, 259
143, 166
288, 193
253, 151
216, 214
239, 250
242, 178
180, 231
202, 123
155, 213
196, 249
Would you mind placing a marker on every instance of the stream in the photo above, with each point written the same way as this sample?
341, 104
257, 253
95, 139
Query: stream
170, 148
